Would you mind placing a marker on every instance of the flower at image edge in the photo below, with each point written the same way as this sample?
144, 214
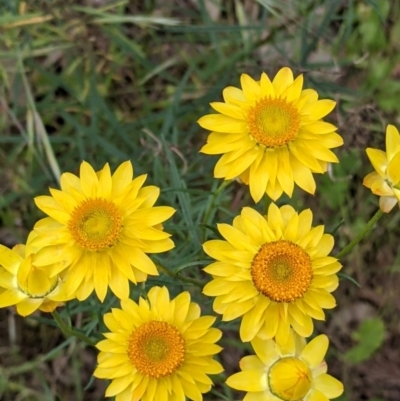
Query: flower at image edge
385, 180
26, 285
158, 349
272, 271
271, 134
291, 372
101, 227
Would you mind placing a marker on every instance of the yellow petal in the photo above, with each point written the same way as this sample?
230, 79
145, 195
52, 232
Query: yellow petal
319, 109
272, 165
275, 220
11, 297
104, 188
267, 89
314, 352
10, 260
268, 331
293, 92
302, 175
70, 183
266, 350
258, 177
282, 80
378, 160
315, 395
101, 273
152, 216
393, 169
233, 95
284, 172
323, 298
241, 164
141, 261
328, 385
122, 177
253, 320
249, 380
118, 385
229, 110
251, 89
49, 205
373, 179
303, 155
290, 233
235, 237
89, 180
320, 127
66, 201
252, 361
392, 141
221, 123
28, 306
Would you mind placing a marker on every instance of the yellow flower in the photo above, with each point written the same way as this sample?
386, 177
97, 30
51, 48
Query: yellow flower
26, 285
291, 372
271, 134
100, 228
385, 181
274, 271
158, 349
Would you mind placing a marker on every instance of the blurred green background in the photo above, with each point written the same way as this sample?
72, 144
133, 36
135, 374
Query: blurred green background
107, 81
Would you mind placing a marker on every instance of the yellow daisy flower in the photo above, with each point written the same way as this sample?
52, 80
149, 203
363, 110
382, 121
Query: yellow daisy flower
158, 349
26, 285
292, 372
274, 271
100, 227
271, 134
385, 180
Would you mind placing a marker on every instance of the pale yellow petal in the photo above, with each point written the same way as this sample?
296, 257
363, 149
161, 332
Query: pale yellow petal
387, 203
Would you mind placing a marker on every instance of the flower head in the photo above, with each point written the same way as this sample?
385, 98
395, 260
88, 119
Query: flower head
385, 180
158, 349
271, 134
100, 227
274, 271
290, 372
25, 284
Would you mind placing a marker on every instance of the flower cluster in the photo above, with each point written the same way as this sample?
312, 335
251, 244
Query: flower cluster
273, 271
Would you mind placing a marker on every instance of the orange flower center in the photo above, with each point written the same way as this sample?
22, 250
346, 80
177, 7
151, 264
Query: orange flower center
95, 224
273, 122
156, 349
282, 271
290, 379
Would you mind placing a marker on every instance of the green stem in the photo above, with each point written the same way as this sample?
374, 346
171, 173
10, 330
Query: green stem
188, 280
211, 203
69, 331
364, 233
